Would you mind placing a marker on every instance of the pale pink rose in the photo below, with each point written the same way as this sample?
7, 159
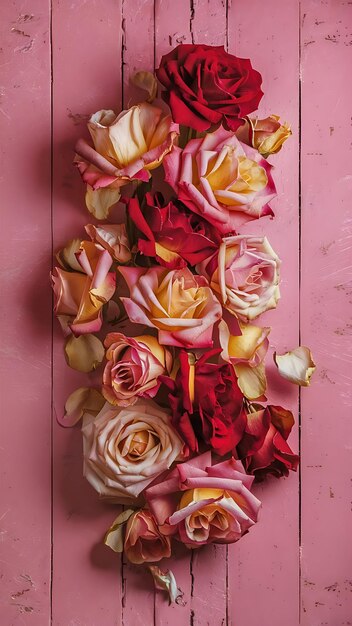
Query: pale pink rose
245, 274
125, 449
133, 367
80, 296
179, 304
126, 147
223, 180
204, 503
112, 237
144, 543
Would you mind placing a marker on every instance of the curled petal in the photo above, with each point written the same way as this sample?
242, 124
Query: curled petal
84, 353
99, 201
296, 366
251, 380
146, 81
79, 401
165, 581
67, 256
114, 537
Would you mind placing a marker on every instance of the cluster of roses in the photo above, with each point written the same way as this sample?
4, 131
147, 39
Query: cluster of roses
175, 433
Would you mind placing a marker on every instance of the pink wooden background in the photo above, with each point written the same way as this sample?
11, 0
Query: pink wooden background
61, 61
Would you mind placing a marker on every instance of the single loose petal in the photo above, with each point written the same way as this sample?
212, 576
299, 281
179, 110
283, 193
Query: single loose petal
296, 366
146, 81
114, 537
165, 581
84, 353
79, 401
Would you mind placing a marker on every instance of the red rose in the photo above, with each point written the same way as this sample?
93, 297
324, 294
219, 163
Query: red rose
205, 85
264, 449
206, 403
171, 234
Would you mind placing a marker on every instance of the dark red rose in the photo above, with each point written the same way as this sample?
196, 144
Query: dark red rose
206, 403
205, 85
264, 449
171, 234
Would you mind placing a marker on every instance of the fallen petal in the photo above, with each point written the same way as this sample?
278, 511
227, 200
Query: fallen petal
165, 581
99, 201
84, 353
67, 255
79, 401
251, 380
114, 537
296, 366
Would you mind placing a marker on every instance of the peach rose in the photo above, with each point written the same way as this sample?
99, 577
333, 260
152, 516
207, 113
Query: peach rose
223, 180
112, 237
267, 136
125, 449
133, 367
205, 503
179, 304
245, 274
246, 352
126, 147
80, 296
137, 534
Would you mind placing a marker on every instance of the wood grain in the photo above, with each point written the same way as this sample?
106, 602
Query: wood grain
60, 62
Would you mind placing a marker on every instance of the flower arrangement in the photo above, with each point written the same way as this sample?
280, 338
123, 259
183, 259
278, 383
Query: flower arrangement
166, 302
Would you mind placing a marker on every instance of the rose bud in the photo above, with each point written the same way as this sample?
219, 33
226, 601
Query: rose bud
267, 136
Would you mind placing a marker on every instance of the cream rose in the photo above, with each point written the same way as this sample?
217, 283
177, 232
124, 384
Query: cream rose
245, 274
125, 449
126, 147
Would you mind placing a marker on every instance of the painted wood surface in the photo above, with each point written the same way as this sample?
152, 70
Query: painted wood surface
59, 62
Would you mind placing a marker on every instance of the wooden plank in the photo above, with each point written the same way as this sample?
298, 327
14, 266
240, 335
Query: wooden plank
263, 566
325, 302
87, 586
25, 366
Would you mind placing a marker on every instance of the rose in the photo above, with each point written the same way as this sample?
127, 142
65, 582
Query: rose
112, 237
245, 274
206, 403
126, 147
221, 179
205, 85
79, 297
144, 543
133, 367
246, 352
267, 136
201, 503
264, 449
170, 233
125, 449
178, 303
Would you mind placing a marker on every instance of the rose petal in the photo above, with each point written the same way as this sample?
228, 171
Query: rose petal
251, 380
296, 366
67, 255
114, 537
99, 201
146, 81
84, 353
165, 581
81, 400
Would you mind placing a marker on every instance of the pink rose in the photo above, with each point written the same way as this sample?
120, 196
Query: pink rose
205, 503
245, 274
112, 237
133, 367
126, 147
126, 448
179, 304
80, 296
223, 180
